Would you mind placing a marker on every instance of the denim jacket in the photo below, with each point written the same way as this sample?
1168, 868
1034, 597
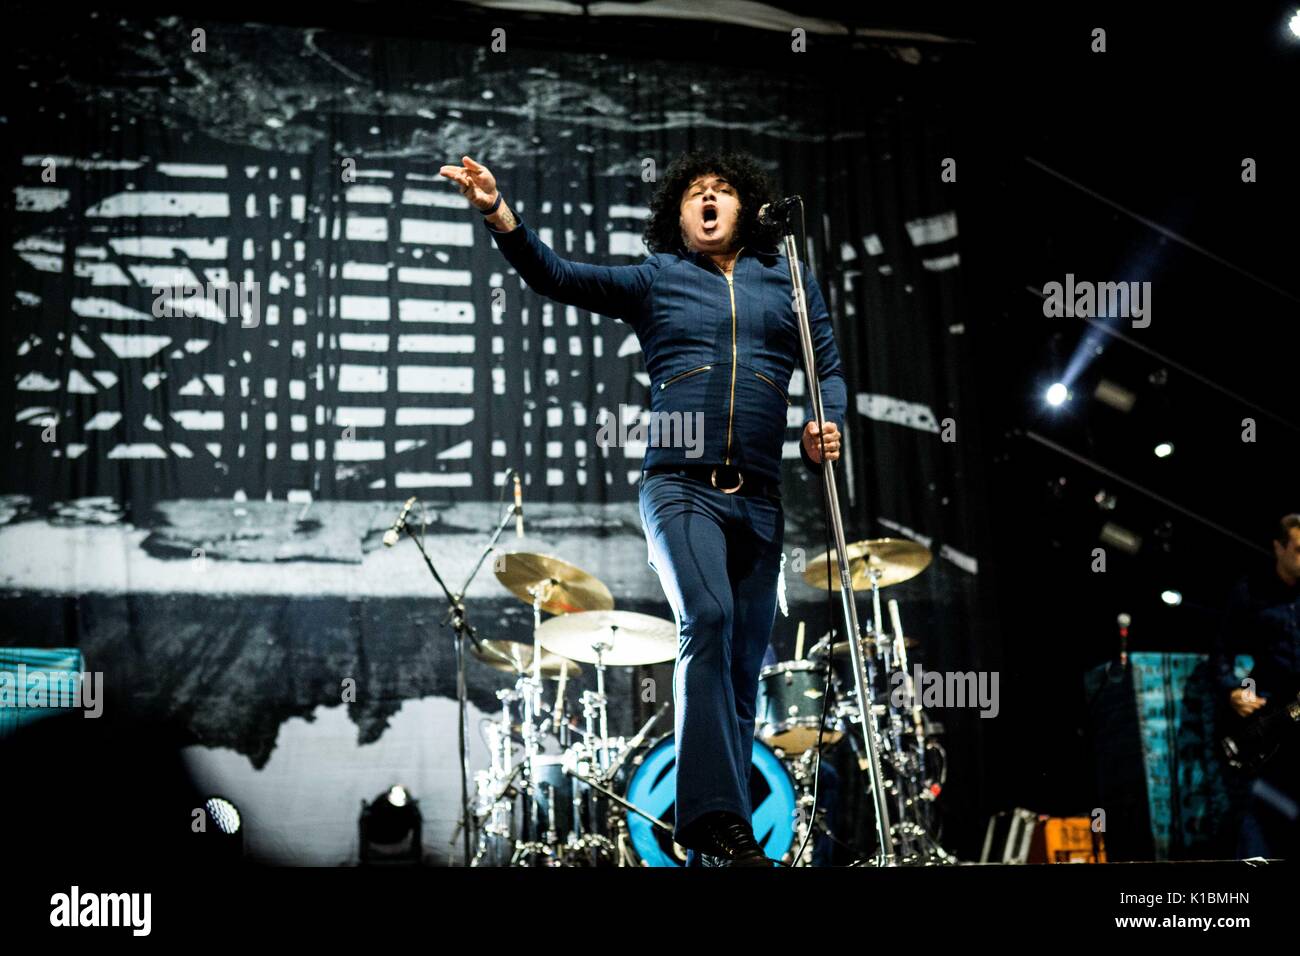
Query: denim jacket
722, 346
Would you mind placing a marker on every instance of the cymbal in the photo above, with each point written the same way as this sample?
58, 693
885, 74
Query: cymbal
629, 638
566, 588
516, 658
841, 648
896, 560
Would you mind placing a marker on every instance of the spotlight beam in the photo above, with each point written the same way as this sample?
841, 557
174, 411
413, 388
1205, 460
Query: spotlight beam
1179, 367
1103, 470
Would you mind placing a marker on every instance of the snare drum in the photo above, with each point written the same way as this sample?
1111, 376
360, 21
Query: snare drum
652, 786
790, 707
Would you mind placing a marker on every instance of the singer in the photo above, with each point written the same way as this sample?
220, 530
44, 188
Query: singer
712, 308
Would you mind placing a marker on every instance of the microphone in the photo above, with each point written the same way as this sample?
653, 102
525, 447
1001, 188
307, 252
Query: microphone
519, 506
392, 535
774, 213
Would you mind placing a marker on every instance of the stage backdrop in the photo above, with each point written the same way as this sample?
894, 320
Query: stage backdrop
196, 494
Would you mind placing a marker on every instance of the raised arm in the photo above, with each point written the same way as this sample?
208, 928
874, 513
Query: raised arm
616, 291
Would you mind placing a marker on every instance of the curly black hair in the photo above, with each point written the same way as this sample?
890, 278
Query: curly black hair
663, 232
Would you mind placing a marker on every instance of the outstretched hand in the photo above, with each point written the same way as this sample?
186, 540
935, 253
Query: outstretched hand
476, 182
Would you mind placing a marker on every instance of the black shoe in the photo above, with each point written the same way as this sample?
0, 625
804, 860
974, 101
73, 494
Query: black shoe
729, 837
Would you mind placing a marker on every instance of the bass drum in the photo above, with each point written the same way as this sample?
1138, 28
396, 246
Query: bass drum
652, 786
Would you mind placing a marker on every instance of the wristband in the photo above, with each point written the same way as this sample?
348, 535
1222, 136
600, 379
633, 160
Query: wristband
495, 206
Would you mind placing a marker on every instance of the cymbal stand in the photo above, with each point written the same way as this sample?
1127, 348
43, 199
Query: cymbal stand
529, 690
900, 649
502, 754
559, 719
595, 708
918, 794
531, 684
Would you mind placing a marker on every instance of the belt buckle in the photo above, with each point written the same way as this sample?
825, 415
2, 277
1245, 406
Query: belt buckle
740, 480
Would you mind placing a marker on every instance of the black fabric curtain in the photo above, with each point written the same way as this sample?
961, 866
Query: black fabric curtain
395, 354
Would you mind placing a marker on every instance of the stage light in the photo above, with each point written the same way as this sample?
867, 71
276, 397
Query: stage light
220, 834
224, 814
1164, 449
1172, 598
390, 827
1056, 394
1120, 537
1295, 24
1116, 396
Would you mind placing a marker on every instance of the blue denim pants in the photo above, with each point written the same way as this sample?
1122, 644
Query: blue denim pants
718, 557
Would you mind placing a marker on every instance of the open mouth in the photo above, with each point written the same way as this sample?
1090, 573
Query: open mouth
710, 218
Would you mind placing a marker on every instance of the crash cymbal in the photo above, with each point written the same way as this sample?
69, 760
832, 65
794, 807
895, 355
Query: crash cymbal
896, 560
515, 658
629, 638
565, 587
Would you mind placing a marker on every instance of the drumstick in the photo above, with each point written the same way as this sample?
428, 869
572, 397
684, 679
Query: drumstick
798, 643
559, 694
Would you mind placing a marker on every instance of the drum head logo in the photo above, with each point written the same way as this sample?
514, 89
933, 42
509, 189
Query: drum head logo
653, 788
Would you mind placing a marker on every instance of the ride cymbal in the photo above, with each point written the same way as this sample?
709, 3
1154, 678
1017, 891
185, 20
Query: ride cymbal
627, 639
894, 559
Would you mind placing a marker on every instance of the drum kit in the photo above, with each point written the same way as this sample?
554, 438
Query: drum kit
571, 807
794, 714
561, 791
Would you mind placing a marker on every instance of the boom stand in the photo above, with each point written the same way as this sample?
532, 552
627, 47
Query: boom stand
456, 615
885, 855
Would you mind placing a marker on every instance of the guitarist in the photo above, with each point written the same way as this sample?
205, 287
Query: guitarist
1263, 620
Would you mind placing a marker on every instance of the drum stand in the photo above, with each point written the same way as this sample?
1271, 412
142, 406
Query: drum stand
925, 848
595, 712
601, 782
901, 783
802, 771
494, 815
864, 682
915, 844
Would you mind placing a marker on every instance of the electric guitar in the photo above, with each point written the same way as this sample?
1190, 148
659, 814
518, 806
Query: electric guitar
1258, 737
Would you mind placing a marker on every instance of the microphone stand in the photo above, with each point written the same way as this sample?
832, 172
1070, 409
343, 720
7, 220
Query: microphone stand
456, 615
885, 854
